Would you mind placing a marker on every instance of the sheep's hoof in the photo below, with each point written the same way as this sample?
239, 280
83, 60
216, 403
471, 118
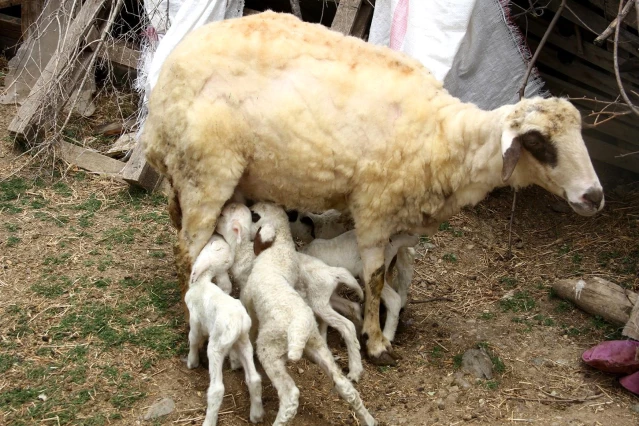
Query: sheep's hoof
383, 359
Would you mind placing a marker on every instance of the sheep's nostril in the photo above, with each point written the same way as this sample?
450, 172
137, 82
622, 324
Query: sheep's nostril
593, 196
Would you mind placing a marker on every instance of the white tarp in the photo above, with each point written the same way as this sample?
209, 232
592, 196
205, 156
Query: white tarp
470, 45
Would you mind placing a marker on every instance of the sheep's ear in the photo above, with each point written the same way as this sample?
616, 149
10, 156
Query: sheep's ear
263, 239
237, 230
511, 151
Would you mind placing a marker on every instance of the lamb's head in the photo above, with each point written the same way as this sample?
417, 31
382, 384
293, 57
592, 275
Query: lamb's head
542, 137
263, 213
234, 223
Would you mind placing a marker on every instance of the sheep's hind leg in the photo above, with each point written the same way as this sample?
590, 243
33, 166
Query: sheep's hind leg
317, 351
275, 368
379, 349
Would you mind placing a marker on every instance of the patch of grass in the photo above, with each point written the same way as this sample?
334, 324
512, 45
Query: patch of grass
384, 368
130, 282
444, 226
487, 316
9, 208
12, 189
13, 241
521, 301
104, 263
78, 375
158, 254
52, 286
564, 306
155, 217
543, 320
577, 258
59, 220
457, 361
126, 399
508, 281
458, 233
91, 205
57, 260
491, 384
498, 364
14, 398
450, 257
62, 189
120, 236
11, 227
38, 203
6, 362
565, 248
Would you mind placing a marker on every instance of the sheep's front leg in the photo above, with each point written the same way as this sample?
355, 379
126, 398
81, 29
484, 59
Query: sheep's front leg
378, 348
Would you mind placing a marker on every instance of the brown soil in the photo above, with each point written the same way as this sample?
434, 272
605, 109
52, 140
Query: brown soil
536, 340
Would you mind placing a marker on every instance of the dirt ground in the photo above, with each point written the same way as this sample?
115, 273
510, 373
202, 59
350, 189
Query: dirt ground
92, 332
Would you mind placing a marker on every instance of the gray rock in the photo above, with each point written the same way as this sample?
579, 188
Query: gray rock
539, 361
477, 363
635, 408
460, 381
161, 408
429, 246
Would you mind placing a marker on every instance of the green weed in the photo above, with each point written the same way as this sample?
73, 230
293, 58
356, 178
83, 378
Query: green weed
13, 241
521, 301
450, 257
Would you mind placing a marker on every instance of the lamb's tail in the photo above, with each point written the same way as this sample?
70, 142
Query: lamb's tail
347, 279
298, 332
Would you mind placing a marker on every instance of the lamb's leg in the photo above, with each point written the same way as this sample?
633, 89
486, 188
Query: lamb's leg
215, 394
275, 367
195, 342
224, 283
244, 350
317, 351
348, 308
323, 328
379, 349
392, 301
347, 330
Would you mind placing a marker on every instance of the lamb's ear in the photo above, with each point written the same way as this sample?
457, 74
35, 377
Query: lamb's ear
511, 151
237, 230
263, 239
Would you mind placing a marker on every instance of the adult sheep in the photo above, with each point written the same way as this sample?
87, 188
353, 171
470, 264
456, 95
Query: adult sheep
296, 114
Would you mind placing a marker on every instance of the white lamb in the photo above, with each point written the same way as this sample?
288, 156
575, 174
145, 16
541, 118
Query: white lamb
317, 285
342, 251
305, 117
286, 324
223, 319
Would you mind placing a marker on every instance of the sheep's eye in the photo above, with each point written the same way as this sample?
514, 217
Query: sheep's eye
255, 217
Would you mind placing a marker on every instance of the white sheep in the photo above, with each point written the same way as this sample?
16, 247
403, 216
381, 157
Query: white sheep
223, 319
307, 226
317, 285
342, 251
313, 120
286, 324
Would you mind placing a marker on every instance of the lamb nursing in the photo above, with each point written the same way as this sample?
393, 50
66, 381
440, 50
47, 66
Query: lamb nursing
312, 120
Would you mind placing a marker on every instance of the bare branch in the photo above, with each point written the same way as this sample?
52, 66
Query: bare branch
608, 31
622, 91
295, 8
555, 18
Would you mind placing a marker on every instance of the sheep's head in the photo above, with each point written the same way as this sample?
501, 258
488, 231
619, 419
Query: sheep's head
542, 137
263, 212
234, 223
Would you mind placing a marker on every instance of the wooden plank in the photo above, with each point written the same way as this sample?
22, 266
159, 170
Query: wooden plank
10, 27
138, 172
589, 52
38, 108
609, 154
345, 16
363, 20
588, 19
631, 329
89, 160
8, 3
119, 53
29, 13
598, 297
610, 9
585, 74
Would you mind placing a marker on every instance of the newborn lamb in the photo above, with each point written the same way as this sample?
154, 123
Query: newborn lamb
287, 326
224, 320
342, 251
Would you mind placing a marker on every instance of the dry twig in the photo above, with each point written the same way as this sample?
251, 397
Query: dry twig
615, 51
608, 31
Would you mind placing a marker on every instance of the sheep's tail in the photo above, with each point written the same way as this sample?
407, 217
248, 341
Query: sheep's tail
347, 279
298, 333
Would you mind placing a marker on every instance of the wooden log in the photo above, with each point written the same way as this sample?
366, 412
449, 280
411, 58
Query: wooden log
89, 160
631, 328
10, 27
138, 172
8, 3
29, 13
119, 53
363, 20
598, 297
38, 108
345, 16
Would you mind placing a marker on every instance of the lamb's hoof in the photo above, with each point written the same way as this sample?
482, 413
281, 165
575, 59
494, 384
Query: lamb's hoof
257, 415
354, 375
383, 359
